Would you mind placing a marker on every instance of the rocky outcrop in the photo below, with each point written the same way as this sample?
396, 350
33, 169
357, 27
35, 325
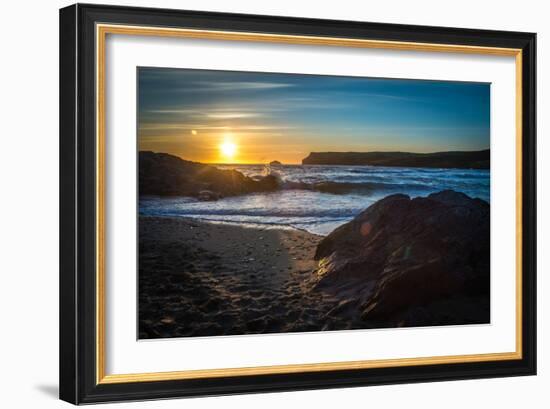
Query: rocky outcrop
167, 175
275, 163
412, 262
457, 159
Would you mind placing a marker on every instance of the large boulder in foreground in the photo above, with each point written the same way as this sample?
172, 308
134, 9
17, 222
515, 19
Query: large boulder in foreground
412, 262
163, 174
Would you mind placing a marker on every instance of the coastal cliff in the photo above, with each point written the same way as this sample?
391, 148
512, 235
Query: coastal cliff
456, 159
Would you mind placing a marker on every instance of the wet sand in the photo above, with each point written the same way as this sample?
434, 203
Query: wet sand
202, 279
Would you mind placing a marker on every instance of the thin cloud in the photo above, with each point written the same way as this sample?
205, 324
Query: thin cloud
174, 111
204, 127
233, 115
240, 85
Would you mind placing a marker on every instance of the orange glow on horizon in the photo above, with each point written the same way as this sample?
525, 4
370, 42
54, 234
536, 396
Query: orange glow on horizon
234, 144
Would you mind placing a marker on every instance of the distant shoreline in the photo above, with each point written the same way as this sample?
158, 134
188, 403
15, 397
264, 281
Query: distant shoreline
479, 160
343, 165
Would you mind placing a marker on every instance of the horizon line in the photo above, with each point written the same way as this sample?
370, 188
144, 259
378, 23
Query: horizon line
300, 163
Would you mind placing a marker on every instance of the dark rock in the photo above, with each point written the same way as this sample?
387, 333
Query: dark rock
415, 253
167, 175
209, 196
343, 307
275, 163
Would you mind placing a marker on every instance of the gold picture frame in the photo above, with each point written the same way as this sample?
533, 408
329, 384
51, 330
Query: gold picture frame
98, 20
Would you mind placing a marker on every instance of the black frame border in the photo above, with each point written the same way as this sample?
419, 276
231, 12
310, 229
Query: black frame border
78, 198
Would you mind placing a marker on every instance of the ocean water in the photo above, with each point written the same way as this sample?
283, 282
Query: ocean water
314, 211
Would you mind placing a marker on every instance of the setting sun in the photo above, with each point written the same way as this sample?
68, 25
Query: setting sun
228, 149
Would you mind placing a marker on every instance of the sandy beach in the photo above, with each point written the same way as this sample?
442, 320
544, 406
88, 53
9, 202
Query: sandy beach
401, 262
200, 279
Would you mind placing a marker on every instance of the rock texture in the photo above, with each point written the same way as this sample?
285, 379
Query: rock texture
412, 262
167, 175
457, 160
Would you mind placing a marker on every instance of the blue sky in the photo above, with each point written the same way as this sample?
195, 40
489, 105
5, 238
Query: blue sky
192, 113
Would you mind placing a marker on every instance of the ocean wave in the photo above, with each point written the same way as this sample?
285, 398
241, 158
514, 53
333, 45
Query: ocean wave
319, 198
340, 182
344, 179
235, 213
366, 187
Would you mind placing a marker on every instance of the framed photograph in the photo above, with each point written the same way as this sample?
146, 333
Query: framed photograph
257, 203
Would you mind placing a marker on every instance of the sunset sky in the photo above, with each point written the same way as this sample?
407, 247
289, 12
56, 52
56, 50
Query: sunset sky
242, 117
